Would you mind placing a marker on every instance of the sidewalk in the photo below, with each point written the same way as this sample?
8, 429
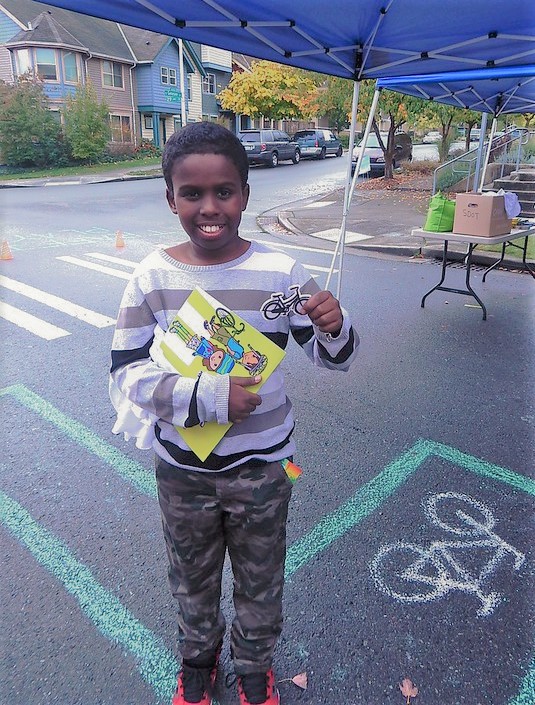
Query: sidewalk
380, 218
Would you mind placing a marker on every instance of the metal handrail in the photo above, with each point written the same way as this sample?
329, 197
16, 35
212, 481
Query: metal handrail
505, 146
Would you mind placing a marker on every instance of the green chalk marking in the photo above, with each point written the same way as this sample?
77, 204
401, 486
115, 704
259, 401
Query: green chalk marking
367, 499
142, 479
371, 495
481, 467
526, 696
114, 621
156, 664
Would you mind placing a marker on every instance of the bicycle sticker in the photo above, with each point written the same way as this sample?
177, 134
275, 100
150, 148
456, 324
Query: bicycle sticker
279, 305
409, 572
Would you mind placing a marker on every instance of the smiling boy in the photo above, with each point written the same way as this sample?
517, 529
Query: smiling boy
237, 499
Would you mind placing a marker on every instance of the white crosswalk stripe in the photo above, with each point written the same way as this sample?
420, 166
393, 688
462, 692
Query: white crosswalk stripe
31, 323
95, 267
47, 331
56, 302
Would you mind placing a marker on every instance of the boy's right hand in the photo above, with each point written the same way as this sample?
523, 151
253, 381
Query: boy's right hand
242, 402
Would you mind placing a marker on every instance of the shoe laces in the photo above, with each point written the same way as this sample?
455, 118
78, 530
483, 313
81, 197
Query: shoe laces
254, 686
195, 682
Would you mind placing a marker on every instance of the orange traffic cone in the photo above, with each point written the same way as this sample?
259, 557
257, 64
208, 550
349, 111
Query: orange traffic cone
119, 240
5, 252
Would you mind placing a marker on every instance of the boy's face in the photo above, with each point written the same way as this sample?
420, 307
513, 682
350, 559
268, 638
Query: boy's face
209, 199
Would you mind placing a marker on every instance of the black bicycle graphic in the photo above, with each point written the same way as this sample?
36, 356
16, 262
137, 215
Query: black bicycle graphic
278, 305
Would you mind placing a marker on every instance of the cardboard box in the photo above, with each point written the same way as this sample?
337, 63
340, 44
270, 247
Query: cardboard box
480, 215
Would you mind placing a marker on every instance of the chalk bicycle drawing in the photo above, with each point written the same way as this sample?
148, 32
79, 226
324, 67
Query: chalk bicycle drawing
278, 305
412, 573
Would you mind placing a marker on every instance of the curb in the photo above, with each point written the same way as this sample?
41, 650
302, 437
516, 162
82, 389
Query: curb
79, 181
480, 258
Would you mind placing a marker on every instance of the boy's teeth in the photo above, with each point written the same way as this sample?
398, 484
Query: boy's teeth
210, 228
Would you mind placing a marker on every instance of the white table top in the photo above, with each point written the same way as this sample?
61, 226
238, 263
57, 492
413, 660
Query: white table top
491, 240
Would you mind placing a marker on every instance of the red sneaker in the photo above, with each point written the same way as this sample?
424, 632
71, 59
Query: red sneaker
258, 689
195, 685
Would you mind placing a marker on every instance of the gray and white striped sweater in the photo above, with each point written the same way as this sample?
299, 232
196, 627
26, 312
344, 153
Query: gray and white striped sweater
158, 288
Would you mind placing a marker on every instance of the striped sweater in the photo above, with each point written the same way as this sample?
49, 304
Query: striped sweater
158, 288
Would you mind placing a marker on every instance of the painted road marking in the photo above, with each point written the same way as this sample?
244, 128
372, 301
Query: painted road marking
132, 264
408, 572
31, 323
113, 260
287, 246
56, 302
95, 267
333, 526
131, 471
156, 664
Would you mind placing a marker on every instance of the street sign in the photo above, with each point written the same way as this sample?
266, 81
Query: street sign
173, 95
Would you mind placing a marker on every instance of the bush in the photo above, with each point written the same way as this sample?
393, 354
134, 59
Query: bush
426, 166
147, 149
29, 133
87, 127
118, 152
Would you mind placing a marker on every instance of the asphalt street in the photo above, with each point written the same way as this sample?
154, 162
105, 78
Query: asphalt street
410, 532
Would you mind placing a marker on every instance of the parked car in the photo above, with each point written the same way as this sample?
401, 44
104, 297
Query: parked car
433, 136
317, 144
403, 144
269, 147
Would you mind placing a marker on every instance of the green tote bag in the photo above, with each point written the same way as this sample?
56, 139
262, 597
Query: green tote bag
440, 214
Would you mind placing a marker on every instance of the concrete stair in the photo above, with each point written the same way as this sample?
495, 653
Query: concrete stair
521, 182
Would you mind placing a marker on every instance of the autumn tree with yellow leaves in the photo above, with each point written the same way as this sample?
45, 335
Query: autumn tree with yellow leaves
271, 90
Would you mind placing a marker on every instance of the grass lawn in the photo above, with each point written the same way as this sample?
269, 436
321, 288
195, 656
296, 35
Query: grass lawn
512, 251
127, 165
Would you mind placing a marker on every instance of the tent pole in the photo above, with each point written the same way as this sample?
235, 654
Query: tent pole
482, 133
487, 155
352, 127
350, 187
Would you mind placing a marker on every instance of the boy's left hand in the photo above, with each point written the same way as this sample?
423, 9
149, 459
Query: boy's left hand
324, 311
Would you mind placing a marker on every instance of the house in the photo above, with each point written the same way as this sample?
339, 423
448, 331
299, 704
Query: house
64, 49
151, 83
165, 97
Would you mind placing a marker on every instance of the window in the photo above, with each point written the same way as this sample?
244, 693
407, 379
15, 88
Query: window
45, 60
120, 128
112, 74
208, 83
188, 86
23, 61
168, 76
71, 68
148, 122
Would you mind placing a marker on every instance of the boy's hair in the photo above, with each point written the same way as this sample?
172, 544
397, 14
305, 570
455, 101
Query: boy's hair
203, 138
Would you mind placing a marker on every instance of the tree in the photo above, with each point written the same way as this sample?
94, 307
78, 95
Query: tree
396, 107
469, 118
272, 90
87, 124
333, 101
29, 133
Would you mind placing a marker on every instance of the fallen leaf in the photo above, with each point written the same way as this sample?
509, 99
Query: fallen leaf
408, 689
300, 680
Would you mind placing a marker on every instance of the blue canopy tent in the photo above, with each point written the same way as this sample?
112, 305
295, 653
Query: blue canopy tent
496, 91
353, 39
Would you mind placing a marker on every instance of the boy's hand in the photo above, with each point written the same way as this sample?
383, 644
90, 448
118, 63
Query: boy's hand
324, 311
242, 402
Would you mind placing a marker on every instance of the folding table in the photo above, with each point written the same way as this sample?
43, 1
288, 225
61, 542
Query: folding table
473, 241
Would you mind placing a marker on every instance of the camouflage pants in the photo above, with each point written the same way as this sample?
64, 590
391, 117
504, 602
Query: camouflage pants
244, 511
